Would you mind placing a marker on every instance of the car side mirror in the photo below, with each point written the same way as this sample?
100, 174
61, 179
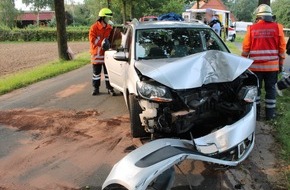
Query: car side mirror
121, 56
120, 49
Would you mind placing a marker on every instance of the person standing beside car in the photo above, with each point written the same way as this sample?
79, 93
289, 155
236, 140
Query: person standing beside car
99, 43
213, 21
265, 44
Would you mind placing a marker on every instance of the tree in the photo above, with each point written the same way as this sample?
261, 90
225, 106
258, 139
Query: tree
176, 6
8, 13
61, 29
94, 7
244, 9
281, 9
264, 2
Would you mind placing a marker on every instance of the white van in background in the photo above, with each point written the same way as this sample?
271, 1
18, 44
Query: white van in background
241, 26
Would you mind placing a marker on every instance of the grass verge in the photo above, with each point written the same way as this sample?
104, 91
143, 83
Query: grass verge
38, 73
282, 125
233, 48
240, 37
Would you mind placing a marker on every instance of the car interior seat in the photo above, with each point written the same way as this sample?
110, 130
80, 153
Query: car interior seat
196, 43
179, 50
156, 52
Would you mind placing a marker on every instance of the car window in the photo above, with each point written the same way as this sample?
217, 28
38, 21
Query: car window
150, 19
175, 42
116, 37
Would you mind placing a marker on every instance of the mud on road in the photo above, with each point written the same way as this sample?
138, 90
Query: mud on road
62, 149
53, 149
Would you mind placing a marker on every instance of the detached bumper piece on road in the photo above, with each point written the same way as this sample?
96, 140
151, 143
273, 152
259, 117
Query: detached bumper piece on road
229, 146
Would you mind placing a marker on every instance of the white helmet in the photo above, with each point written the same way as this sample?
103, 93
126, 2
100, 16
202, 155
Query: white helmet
263, 10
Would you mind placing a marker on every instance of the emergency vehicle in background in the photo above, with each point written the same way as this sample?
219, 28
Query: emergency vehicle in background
229, 32
148, 18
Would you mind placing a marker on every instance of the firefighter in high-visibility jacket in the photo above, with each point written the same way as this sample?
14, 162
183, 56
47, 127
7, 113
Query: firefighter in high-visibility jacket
265, 44
99, 43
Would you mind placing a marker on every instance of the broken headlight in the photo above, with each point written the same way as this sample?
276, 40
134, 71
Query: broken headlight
248, 93
154, 92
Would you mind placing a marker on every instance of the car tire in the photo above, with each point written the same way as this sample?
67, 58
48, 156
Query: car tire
137, 130
233, 38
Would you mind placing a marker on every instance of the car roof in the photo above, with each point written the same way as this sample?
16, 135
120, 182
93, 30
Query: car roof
167, 24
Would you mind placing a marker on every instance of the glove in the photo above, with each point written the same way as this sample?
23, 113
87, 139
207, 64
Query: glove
105, 44
281, 68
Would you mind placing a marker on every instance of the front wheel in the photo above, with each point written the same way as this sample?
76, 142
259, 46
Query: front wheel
135, 110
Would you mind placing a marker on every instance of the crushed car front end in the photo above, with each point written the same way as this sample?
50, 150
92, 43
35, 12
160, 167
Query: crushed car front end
216, 109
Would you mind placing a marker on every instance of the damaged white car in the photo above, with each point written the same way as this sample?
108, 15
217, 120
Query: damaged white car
180, 81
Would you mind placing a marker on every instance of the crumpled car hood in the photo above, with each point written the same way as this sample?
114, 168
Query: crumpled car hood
195, 70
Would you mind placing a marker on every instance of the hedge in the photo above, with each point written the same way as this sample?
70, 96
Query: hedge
42, 34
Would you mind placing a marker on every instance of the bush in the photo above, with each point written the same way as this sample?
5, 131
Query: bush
42, 34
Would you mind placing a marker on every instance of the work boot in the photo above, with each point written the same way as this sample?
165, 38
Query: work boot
96, 92
111, 92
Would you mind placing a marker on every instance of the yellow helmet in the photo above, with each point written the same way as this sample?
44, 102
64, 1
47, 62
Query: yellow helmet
105, 12
263, 10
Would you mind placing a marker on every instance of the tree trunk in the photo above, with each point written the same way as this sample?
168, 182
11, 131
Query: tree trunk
109, 4
264, 2
131, 10
124, 2
197, 4
61, 29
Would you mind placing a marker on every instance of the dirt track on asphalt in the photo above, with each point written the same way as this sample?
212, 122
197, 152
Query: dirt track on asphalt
18, 56
55, 135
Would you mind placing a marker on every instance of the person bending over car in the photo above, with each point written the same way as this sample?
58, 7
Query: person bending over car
99, 43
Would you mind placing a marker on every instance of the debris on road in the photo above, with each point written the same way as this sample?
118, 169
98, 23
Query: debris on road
73, 149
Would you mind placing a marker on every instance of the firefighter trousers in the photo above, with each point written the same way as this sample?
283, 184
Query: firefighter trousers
96, 80
269, 79
284, 83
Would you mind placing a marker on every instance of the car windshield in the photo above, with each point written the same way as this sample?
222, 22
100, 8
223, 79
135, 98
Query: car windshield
175, 42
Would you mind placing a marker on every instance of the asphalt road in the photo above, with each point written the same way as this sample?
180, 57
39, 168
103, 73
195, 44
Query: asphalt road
64, 162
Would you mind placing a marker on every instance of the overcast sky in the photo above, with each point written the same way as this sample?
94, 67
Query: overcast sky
19, 5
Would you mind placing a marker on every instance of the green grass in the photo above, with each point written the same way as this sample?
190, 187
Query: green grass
240, 37
233, 48
282, 125
38, 73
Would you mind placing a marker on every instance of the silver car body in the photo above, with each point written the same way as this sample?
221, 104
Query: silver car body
139, 168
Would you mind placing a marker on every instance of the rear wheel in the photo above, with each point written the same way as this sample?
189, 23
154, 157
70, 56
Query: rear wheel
135, 110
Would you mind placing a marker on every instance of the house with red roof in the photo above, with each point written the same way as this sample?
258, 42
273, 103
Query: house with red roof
30, 18
207, 4
213, 4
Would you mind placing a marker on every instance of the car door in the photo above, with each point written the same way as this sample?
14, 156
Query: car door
115, 68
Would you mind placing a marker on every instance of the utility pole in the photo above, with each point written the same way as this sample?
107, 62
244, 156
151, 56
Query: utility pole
268, 2
61, 29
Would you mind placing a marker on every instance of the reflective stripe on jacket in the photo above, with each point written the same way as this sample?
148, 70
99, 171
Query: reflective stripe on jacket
265, 44
96, 35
